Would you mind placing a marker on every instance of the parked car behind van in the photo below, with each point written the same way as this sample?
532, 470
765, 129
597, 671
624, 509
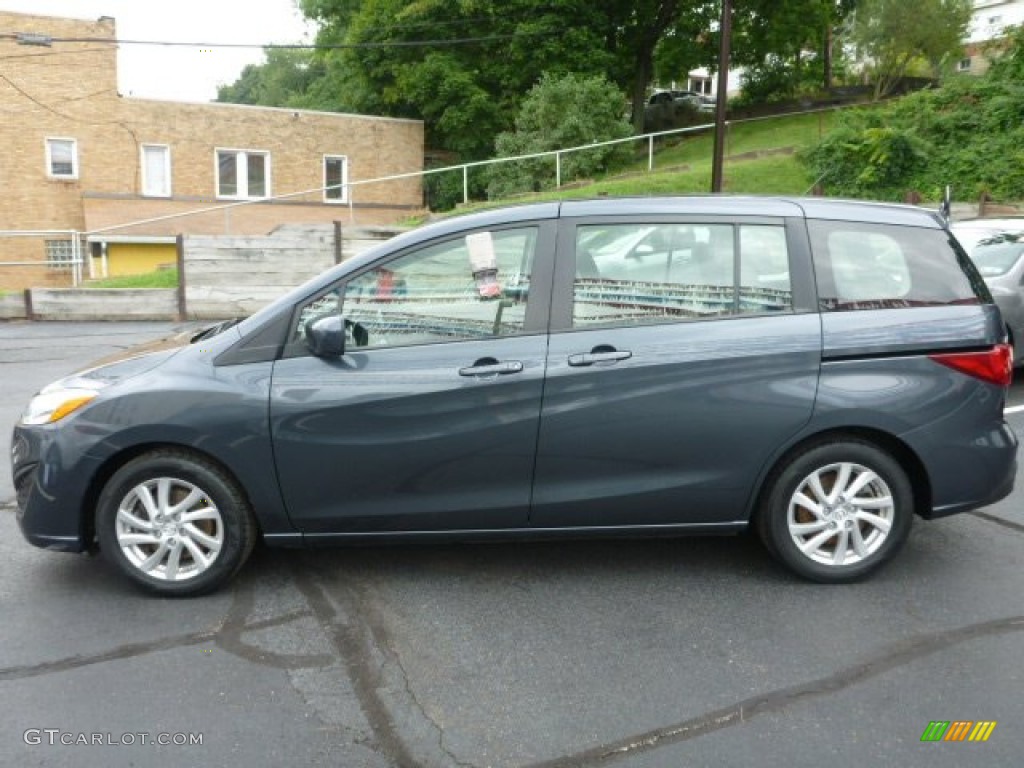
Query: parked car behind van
819, 371
996, 246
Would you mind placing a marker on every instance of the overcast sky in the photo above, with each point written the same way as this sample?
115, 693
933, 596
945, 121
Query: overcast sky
182, 74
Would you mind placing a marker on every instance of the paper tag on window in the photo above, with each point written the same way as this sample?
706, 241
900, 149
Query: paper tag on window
484, 264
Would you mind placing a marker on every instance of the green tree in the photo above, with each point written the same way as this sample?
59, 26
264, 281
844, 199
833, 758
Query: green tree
515, 41
283, 80
968, 133
786, 47
893, 33
560, 111
466, 92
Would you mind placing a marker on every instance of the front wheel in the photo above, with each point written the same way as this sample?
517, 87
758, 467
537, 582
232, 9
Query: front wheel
174, 523
837, 511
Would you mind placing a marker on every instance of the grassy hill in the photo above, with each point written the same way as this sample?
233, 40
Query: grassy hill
760, 159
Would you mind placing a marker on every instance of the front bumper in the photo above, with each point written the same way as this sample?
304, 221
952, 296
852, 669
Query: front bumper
49, 491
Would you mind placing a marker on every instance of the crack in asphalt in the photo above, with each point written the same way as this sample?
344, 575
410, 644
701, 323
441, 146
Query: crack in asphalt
131, 650
895, 656
355, 652
386, 646
229, 638
998, 520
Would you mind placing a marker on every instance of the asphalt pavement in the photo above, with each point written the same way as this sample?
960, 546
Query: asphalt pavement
686, 652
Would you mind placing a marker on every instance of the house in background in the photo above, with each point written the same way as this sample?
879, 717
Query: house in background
989, 22
75, 156
705, 82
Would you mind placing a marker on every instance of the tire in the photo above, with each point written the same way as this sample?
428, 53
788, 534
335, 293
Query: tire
805, 503
175, 523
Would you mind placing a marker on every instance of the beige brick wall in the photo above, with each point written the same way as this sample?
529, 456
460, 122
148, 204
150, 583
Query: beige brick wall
70, 91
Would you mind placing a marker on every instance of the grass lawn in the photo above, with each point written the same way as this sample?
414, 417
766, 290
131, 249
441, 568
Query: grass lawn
682, 166
796, 131
161, 278
773, 175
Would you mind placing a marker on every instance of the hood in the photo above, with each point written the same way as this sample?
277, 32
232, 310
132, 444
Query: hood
142, 357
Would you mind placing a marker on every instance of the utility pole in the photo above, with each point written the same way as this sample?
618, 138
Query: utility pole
723, 86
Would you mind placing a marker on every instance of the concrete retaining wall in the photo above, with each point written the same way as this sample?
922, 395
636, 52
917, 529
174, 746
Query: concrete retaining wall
233, 276
104, 303
12, 306
224, 277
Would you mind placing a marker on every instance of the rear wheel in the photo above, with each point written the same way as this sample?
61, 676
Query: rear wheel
837, 511
174, 523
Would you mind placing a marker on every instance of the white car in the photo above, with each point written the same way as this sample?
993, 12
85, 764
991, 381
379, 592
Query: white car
996, 246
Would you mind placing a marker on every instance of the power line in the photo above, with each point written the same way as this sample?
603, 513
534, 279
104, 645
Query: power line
288, 46
51, 53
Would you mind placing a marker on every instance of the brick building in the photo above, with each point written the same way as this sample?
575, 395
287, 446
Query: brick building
77, 156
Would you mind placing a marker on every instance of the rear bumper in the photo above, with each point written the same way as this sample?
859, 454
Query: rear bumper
990, 463
997, 494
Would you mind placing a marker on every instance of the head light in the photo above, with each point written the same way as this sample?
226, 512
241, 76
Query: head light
52, 405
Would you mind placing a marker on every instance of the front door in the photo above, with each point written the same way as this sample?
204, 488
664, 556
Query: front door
429, 421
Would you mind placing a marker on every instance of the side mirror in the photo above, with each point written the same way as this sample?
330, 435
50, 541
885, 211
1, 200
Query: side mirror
325, 336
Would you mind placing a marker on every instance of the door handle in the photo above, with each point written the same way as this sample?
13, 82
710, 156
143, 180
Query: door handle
491, 367
599, 355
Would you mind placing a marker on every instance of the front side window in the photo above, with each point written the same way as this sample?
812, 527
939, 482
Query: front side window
628, 274
860, 265
62, 158
243, 173
156, 170
472, 287
335, 179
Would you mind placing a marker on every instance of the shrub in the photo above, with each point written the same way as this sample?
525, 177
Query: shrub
561, 112
969, 134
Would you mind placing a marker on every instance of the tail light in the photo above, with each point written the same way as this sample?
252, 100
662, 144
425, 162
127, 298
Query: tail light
994, 365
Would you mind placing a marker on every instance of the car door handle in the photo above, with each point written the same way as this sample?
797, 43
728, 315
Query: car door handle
599, 355
491, 367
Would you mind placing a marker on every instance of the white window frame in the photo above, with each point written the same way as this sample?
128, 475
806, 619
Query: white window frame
964, 65
146, 192
241, 173
49, 157
344, 180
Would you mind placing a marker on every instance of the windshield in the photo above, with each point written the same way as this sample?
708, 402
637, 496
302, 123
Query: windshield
996, 255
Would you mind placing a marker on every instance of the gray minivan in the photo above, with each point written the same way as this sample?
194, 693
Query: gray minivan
819, 371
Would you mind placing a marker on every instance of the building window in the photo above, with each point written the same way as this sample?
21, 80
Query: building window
156, 170
62, 158
59, 254
335, 179
701, 85
243, 173
964, 65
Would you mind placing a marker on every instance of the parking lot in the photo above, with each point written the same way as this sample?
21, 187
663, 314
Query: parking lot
639, 653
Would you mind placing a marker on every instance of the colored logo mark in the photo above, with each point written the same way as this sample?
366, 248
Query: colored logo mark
958, 730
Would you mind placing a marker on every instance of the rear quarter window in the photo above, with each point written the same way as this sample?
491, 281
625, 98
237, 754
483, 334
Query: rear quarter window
861, 265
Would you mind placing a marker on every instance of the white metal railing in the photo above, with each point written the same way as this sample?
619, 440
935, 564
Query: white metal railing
73, 262
463, 167
557, 154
